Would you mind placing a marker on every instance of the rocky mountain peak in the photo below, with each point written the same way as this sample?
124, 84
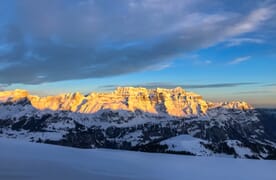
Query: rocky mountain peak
13, 96
133, 91
172, 102
177, 90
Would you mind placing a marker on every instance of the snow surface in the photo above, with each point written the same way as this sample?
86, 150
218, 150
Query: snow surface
187, 143
24, 160
241, 151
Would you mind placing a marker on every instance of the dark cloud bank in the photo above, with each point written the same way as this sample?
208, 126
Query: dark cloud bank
50, 41
153, 85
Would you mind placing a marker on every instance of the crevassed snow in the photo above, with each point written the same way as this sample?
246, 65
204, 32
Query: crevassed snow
23, 160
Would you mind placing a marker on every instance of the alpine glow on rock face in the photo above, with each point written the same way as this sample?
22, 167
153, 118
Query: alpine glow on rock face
178, 77
174, 102
223, 50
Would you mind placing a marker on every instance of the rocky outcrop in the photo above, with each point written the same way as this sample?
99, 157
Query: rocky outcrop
173, 102
152, 120
13, 96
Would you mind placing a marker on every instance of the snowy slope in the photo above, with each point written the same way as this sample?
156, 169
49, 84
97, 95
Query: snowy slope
23, 160
238, 133
187, 143
139, 119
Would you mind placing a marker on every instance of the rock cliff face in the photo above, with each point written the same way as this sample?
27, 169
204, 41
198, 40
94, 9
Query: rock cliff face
173, 102
152, 120
13, 96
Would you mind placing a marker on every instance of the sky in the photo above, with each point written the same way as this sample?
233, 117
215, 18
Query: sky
222, 49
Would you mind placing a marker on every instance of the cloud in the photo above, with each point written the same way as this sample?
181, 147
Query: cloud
3, 86
52, 40
254, 92
239, 41
272, 84
251, 22
153, 85
160, 67
239, 60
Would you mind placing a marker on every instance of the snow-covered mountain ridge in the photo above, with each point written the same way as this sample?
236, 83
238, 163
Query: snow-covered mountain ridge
152, 120
174, 102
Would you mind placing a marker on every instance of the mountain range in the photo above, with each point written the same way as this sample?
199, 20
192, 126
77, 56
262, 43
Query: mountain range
136, 118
